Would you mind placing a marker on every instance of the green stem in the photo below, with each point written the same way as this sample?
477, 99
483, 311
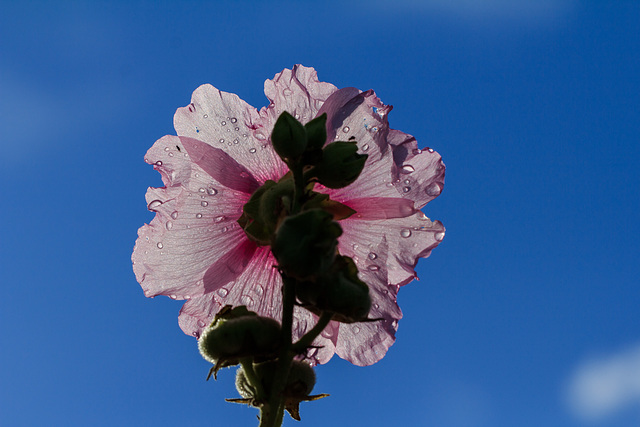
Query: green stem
306, 341
299, 183
272, 412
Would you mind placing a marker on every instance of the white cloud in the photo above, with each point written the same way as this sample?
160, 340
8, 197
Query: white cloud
601, 387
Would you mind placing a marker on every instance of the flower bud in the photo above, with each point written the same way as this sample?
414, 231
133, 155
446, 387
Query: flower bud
300, 383
289, 137
340, 165
339, 291
305, 244
236, 334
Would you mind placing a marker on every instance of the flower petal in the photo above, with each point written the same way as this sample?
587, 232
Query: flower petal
224, 121
368, 208
194, 226
408, 239
220, 166
296, 91
229, 266
420, 171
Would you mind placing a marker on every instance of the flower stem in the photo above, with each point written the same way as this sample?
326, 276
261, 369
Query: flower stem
252, 377
272, 413
299, 184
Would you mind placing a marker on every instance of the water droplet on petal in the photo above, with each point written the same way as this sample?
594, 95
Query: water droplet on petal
373, 267
376, 305
219, 219
406, 181
406, 189
405, 232
433, 189
169, 225
430, 150
212, 191
252, 150
408, 169
201, 190
416, 151
235, 141
372, 256
374, 129
356, 329
173, 296
195, 334
201, 323
166, 148
154, 204
160, 245
260, 136
365, 147
327, 333
174, 215
223, 123
205, 116
221, 140
346, 129
439, 236
159, 163
233, 120
198, 215
204, 203
223, 292
246, 300
355, 246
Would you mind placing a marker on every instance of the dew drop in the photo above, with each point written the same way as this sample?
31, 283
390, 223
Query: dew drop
346, 129
169, 225
221, 140
233, 120
173, 296
430, 150
223, 292
252, 150
170, 154
201, 323
159, 163
416, 151
439, 236
356, 329
198, 215
166, 148
195, 334
224, 229
154, 204
405, 232
201, 190
374, 129
372, 256
205, 116
373, 267
219, 219
204, 203
235, 141
174, 215
406, 189
376, 305
408, 169
406, 181
160, 245
355, 246
246, 300
433, 189
326, 333
260, 136
297, 116
223, 123
237, 128
212, 191
365, 147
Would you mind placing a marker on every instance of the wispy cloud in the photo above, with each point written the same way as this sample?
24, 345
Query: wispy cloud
600, 387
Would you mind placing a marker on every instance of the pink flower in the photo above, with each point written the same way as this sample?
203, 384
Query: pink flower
194, 249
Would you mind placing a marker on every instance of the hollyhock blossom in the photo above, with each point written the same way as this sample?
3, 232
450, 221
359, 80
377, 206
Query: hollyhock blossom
195, 250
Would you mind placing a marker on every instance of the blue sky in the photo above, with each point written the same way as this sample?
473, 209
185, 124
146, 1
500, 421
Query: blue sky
525, 315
